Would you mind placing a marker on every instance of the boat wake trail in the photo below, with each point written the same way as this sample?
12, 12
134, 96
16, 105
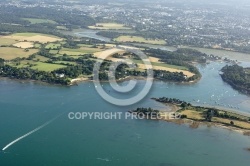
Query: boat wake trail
105, 159
29, 133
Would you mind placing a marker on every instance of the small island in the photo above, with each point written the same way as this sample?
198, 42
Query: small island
195, 115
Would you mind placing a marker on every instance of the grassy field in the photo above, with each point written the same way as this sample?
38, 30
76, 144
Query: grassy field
80, 51
28, 34
108, 26
63, 42
71, 52
4, 41
46, 66
37, 45
41, 58
52, 46
9, 53
54, 52
85, 45
41, 66
65, 62
38, 21
138, 39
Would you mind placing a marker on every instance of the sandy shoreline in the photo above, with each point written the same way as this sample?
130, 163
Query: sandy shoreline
80, 79
84, 79
194, 124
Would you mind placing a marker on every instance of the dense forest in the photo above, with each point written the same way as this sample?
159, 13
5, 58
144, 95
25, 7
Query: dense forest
83, 67
28, 73
237, 77
147, 113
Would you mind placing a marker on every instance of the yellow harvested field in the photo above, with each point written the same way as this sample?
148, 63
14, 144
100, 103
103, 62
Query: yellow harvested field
236, 122
193, 114
187, 73
4, 41
153, 59
139, 39
33, 37
9, 53
43, 39
109, 52
24, 45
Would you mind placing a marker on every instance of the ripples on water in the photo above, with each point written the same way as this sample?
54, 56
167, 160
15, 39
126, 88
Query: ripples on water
25, 106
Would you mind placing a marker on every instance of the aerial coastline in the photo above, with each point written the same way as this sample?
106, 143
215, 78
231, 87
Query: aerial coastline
186, 113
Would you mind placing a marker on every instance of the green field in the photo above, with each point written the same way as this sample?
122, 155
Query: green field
39, 21
66, 62
61, 28
138, 39
109, 26
53, 52
9, 53
63, 42
79, 51
52, 46
85, 45
46, 66
4, 41
26, 34
29, 34
37, 45
41, 66
41, 58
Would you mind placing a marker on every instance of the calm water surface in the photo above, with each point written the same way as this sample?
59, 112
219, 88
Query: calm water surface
26, 105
